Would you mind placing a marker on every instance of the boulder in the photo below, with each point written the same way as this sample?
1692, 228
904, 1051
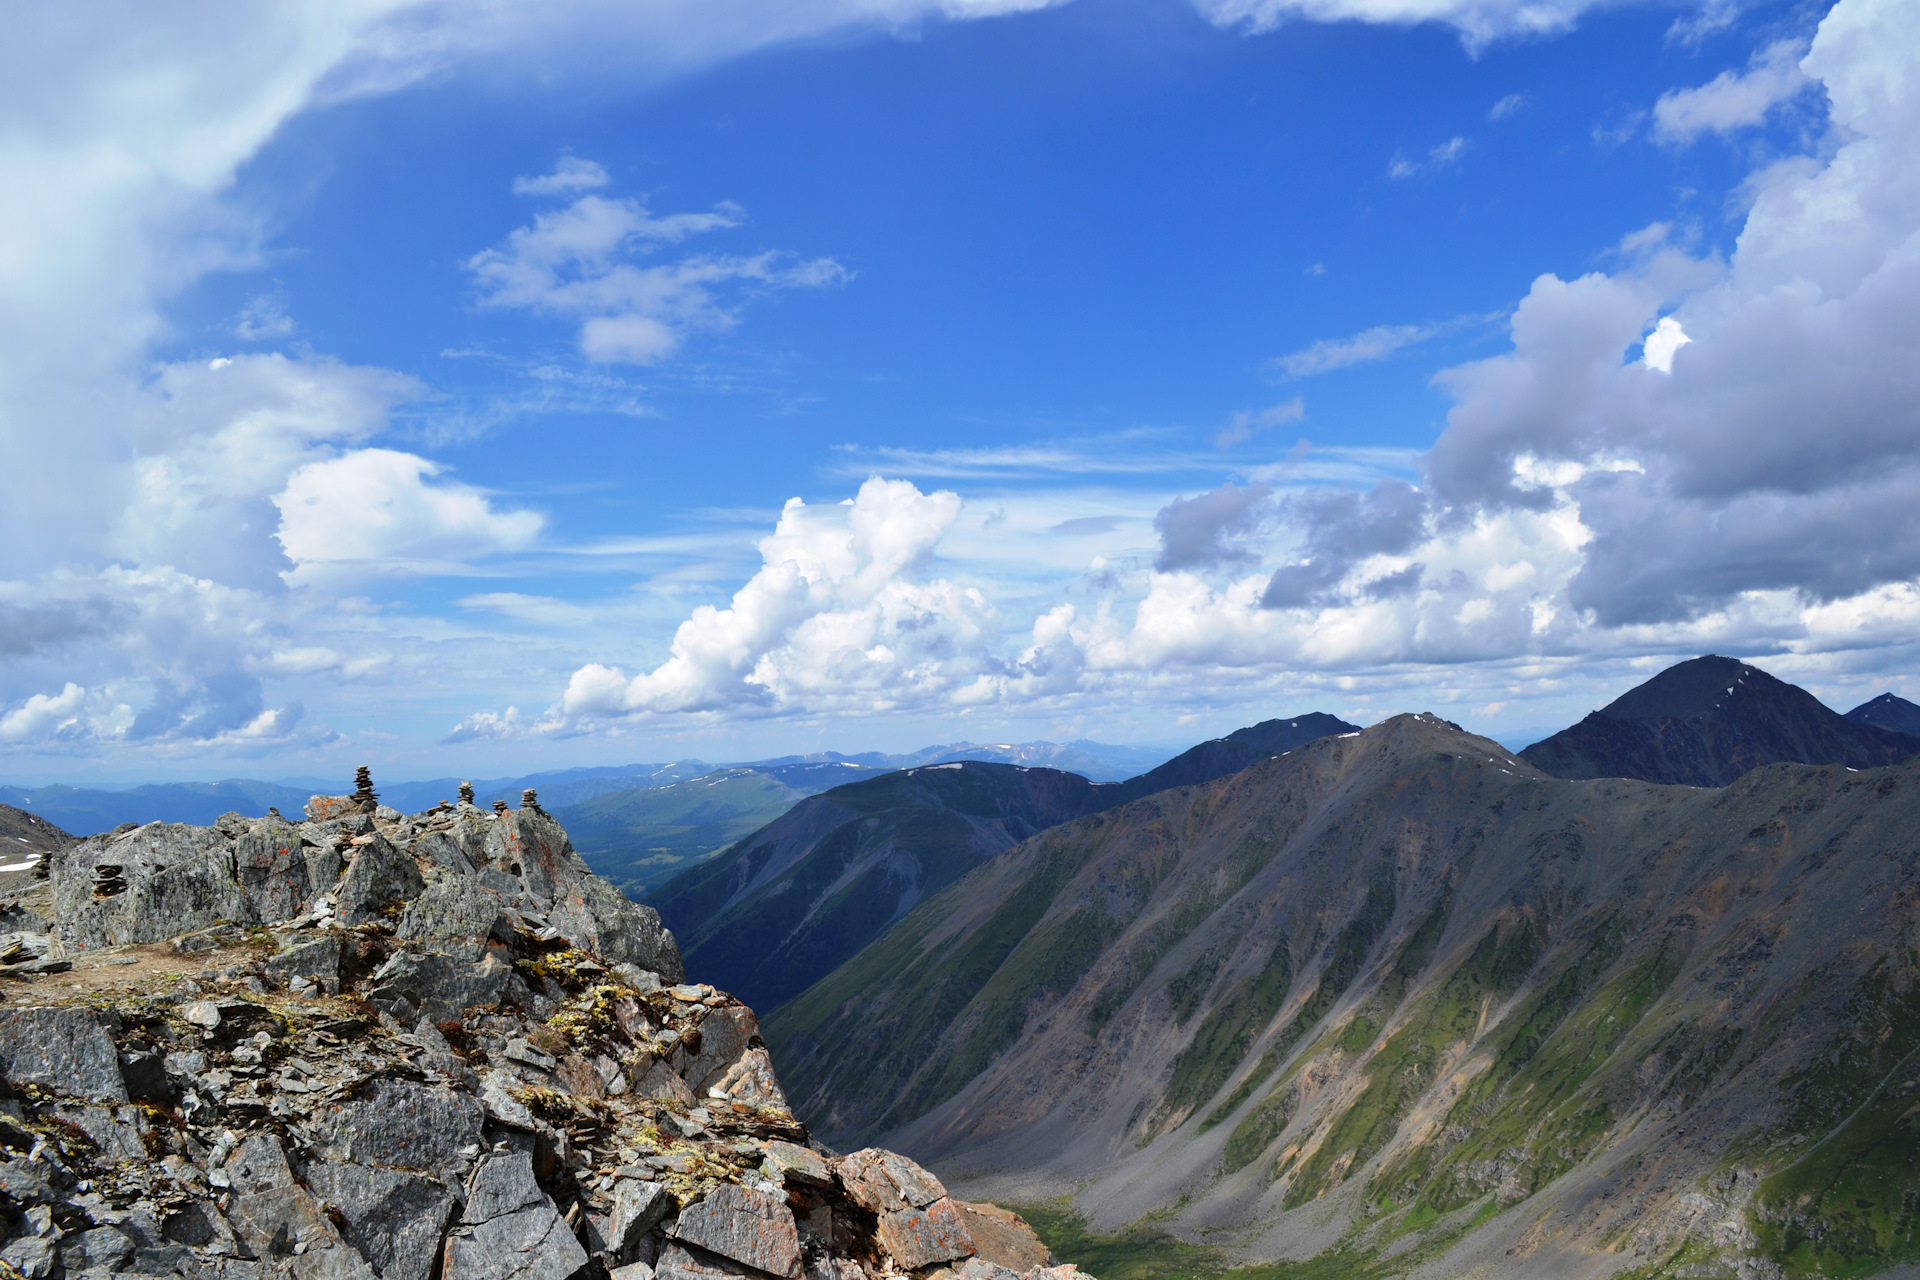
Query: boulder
745, 1225
378, 878
437, 986
66, 1050
280, 1221
453, 908
394, 1219
400, 1125
681, 1262
638, 1207
917, 1238
1003, 1238
272, 869
787, 1162
317, 960
885, 1181
510, 1229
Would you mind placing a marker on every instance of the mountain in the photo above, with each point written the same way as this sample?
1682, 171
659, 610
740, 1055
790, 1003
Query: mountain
794, 899
1889, 712
778, 911
642, 837
24, 835
1398, 1004
1707, 721
88, 810
1100, 761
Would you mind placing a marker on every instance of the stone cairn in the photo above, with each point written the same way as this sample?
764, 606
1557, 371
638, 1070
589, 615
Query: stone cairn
108, 880
366, 799
500, 807
530, 801
466, 793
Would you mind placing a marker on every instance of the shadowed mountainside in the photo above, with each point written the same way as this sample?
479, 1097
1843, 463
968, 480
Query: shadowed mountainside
1888, 712
1705, 722
787, 904
1402, 1005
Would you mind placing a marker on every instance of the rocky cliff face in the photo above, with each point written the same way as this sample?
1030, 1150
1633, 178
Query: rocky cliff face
1705, 722
1398, 1004
435, 1047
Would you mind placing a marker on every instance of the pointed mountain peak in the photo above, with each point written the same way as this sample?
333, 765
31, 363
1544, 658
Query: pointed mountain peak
1695, 687
1888, 711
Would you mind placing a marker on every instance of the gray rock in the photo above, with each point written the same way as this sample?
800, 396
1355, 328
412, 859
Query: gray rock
724, 1036
66, 1050
26, 1181
258, 1164
510, 1229
178, 879
379, 877
400, 1125
502, 1106
440, 987
632, 1271
679, 1262
97, 1249
117, 1131
453, 907
317, 960
638, 1207
394, 1219
522, 1052
273, 872
789, 1162
748, 1226
32, 1256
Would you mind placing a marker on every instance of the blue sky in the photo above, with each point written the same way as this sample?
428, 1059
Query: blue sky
432, 384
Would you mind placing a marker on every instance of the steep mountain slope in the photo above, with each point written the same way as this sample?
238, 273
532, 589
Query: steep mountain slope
1704, 722
780, 910
1888, 712
796, 898
1402, 1005
24, 835
643, 837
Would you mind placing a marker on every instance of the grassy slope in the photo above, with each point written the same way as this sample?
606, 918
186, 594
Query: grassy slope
640, 839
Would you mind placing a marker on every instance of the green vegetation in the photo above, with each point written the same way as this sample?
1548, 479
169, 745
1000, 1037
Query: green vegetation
1227, 1033
1847, 1205
1140, 1253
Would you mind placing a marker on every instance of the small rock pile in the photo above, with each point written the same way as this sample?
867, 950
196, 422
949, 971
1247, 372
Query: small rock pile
421, 1048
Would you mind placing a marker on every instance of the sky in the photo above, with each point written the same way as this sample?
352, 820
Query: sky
488, 387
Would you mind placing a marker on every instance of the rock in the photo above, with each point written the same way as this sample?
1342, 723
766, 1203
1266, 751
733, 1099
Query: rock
317, 960
394, 1219
920, 1237
884, 1181
501, 1105
1003, 1238
638, 1207
663, 1083
178, 879
453, 908
66, 1050
327, 808
751, 1080
145, 1074
746, 1225
278, 1219
96, 1249
26, 1181
724, 1036
523, 1052
201, 1013
273, 871
379, 877
31, 1256
786, 1161
440, 987
401, 1125
632, 1271
510, 1228
679, 1262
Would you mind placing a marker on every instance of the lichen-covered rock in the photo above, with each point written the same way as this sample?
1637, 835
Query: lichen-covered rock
438, 986
378, 878
396, 1220
916, 1238
400, 1125
746, 1225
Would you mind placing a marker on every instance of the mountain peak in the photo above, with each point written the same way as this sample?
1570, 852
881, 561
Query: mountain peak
1707, 721
1888, 711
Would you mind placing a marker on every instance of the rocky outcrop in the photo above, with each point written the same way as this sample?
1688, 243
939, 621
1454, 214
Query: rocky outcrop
365, 1046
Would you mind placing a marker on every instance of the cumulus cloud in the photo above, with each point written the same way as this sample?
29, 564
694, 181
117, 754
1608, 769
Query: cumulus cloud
1207, 531
1733, 100
570, 175
1344, 530
576, 263
375, 510
836, 616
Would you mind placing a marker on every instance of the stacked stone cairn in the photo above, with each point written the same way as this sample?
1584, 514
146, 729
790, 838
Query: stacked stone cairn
414, 1048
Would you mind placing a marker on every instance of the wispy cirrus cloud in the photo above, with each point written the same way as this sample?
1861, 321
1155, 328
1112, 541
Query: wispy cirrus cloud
1381, 342
1442, 156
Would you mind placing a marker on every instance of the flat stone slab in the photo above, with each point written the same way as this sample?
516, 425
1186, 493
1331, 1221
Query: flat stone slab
746, 1225
67, 1050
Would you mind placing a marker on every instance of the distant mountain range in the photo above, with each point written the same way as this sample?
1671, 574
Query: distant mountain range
784, 906
1705, 722
87, 811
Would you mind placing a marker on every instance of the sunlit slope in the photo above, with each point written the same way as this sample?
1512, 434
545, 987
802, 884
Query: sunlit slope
1401, 1002
643, 837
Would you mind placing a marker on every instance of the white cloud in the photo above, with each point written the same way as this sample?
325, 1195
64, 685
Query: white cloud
1247, 423
1440, 157
373, 510
1733, 100
1479, 22
1378, 343
575, 263
1507, 106
1658, 348
836, 616
570, 174
44, 715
